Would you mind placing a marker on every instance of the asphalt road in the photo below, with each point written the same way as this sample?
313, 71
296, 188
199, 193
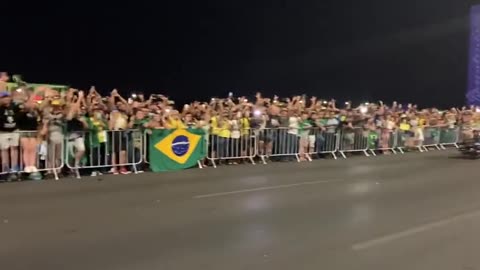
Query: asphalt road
412, 211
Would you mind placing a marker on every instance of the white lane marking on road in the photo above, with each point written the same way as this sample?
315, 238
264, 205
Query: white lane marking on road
263, 188
415, 230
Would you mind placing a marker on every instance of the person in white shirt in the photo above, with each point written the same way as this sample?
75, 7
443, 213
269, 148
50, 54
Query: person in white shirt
293, 139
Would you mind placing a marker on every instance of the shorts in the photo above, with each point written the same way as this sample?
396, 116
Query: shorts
76, 145
56, 137
10, 139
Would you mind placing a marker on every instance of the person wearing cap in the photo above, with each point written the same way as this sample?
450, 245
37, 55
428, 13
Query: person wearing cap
9, 139
53, 126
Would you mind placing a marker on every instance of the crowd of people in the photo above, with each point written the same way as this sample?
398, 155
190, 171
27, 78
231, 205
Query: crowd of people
35, 124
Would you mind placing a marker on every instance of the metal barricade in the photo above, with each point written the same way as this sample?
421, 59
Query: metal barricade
105, 149
30, 152
353, 140
284, 143
322, 142
222, 146
431, 138
449, 136
407, 140
387, 141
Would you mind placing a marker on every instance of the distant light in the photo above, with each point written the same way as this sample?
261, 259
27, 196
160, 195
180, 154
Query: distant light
245, 100
167, 110
325, 102
367, 103
347, 103
257, 112
134, 95
363, 109
19, 90
477, 109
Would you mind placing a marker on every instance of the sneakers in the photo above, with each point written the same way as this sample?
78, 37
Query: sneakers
124, 171
35, 176
96, 173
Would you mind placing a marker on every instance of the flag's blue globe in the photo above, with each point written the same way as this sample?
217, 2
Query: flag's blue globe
180, 145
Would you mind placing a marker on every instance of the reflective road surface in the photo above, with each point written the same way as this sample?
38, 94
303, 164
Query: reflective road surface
412, 211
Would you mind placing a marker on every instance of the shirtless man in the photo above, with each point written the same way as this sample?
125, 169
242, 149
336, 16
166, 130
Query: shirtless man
3, 81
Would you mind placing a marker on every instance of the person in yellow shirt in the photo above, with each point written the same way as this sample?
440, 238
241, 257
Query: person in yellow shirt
223, 136
245, 133
214, 125
174, 122
405, 131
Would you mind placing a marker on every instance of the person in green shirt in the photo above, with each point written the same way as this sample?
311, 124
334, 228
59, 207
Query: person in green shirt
304, 129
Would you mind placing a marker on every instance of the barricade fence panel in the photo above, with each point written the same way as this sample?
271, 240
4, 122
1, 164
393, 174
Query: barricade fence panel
321, 141
353, 140
431, 137
122, 151
449, 136
232, 147
387, 141
32, 152
278, 143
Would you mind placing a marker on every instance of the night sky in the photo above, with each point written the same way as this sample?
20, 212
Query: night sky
359, 50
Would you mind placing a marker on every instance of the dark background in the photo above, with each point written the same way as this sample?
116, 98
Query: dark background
360, 50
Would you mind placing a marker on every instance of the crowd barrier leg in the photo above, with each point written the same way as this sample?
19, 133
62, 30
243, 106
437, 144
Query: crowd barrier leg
254, 141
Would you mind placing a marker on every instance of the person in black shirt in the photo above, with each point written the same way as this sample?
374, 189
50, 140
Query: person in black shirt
76, 126
27, 123
9, 139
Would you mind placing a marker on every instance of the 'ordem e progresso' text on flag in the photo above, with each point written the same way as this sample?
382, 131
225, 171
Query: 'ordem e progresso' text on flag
176, 149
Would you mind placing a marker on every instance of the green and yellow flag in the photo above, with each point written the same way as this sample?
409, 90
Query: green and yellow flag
176, 149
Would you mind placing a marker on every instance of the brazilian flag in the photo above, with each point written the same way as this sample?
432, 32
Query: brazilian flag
176, 149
